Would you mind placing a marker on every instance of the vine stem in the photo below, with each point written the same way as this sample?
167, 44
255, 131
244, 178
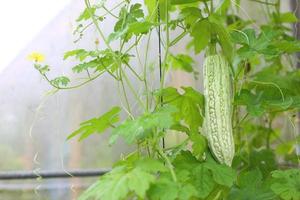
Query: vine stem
269, 133
169, 164
71, 87
263, 2
145, 73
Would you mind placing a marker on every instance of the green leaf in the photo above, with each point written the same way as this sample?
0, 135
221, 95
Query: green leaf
223, 37
97, 125
241, 37
122, 29
251, 186
287, 184
201, 34
86, 14
141, 127
164, 189
222, 174
87, 65
125, 179
187, 191
264, 160
271, 92
253, 45
189, 105
151, 165
185, 161
80, 54
60, 81
43, 69
287, 17
251, 101
181, 62
203, 181
151, 5
132, 175
199, 144
139, 27
223, 7
190, 15
285, 46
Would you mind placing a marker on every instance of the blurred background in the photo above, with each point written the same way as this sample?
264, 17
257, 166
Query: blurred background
34, 122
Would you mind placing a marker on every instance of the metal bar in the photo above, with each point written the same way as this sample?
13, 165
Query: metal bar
14, 175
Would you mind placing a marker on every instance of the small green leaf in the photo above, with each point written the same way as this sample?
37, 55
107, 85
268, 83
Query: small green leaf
199, 144
86, 14
122, 29
60, 81
43, 69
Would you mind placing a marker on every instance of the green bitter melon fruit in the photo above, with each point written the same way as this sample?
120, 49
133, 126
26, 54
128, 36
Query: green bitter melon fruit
218, 108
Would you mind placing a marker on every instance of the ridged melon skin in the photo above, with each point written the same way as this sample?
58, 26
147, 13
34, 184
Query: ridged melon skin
218, 108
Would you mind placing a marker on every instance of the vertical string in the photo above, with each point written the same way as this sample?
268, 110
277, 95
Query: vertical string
159, 58
296, 10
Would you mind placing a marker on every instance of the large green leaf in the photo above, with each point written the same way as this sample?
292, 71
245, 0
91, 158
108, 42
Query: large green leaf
190, 15
251, 186
264, 160
189, 104
203, 181
287, 17
97, 125
182, 62
164, 189
287, 184
223, 37
131, 176
222, 174
141, 127
201, 33
80, 54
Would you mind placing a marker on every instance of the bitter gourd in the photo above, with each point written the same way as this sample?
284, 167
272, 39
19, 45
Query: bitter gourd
218, 108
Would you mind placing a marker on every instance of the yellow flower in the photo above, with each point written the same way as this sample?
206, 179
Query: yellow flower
36, 57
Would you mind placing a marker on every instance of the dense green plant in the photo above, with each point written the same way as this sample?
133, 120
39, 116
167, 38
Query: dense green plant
265, 89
